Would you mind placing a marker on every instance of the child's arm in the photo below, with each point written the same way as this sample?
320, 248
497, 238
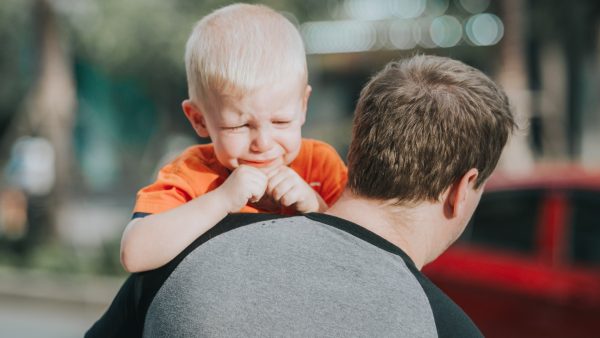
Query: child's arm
288, 188
154, 240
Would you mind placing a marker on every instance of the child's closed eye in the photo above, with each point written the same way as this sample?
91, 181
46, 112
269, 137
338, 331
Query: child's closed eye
235, 128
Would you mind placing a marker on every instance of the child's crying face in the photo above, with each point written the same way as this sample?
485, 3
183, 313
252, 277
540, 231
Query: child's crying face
261, 128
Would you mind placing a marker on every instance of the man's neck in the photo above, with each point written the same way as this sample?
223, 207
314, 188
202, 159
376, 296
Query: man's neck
409, 228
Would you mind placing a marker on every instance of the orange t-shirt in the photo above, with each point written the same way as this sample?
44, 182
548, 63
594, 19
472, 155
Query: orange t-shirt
196, 171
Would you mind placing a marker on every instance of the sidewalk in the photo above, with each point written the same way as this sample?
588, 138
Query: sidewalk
85, 290
40, 304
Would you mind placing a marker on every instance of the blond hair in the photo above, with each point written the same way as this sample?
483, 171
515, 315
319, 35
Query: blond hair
238, 48
420, 124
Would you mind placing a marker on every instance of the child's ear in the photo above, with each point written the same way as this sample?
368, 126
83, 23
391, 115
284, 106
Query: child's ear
196, 117
305, 97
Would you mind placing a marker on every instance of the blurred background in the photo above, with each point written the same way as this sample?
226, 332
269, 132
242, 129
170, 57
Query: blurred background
90, 109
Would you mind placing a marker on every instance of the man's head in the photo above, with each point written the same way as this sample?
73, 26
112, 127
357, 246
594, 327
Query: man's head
428, 132
421, 124
247, 79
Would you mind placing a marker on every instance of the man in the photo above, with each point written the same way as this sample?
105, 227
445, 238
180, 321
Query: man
428, 132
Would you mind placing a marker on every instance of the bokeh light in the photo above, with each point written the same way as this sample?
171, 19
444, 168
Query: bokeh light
422, 34
484, 29
400, 35
408, 9
338, 36
368, 9
446, 31
437, 7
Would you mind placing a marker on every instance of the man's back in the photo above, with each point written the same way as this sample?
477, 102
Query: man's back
301, 276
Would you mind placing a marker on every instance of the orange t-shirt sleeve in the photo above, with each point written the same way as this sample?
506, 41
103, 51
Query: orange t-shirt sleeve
329, 174
177, 183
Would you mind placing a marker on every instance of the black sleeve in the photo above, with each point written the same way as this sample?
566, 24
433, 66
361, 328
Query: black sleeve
450, 320
139, 215
122, 318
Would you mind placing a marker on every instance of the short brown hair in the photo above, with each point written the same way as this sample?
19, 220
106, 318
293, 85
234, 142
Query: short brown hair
420, 124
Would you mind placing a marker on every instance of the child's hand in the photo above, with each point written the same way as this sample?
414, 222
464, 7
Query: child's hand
288, 188
245, 184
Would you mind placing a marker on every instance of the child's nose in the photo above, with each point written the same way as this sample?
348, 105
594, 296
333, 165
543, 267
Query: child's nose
262, 141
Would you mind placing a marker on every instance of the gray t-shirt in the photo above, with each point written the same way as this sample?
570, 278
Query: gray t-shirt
294, 277
304, 276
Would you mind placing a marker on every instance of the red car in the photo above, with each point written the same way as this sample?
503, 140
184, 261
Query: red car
528, 265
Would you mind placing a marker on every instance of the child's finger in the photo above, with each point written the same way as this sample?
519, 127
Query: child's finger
274, 181
283, 170
274, 172
253, 176
283, 187
258, 188
290, 197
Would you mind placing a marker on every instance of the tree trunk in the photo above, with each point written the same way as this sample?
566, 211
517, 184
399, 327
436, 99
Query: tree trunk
49, 114
513, 77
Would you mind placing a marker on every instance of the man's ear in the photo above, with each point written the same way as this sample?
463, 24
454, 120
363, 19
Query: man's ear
196, 117
305, 97
456, 197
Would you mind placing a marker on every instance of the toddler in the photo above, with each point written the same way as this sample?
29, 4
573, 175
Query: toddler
248, 91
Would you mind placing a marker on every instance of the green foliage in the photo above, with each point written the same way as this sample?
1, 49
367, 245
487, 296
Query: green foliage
16, 60
57, 257
145, 36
